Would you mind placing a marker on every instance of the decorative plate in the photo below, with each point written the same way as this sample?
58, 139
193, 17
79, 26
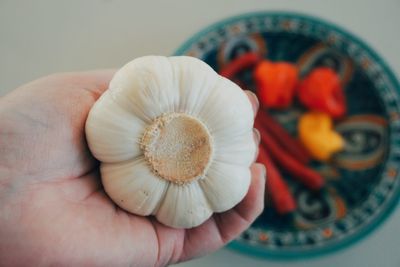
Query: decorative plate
363, 183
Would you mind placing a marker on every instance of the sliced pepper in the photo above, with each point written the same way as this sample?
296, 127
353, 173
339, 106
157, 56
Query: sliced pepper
276, 83
316, 132
321, 90
239, 64
277, 188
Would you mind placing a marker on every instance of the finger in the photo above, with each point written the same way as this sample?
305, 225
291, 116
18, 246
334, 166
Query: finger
224, 227
255, 104
235, 221
254, 101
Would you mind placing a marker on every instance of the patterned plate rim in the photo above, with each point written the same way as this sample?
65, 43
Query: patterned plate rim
392, 205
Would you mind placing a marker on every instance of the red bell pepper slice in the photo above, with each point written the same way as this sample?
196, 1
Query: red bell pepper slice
321, 90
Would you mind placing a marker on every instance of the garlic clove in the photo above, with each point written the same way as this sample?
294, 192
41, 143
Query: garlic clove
238, 150
228, 111
132, 186
184, 206
195, 81
146, 87
113, 133
225, 185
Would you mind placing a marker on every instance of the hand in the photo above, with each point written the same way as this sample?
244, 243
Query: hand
53, 210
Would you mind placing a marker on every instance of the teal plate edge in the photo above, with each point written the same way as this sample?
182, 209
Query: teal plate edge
285, 255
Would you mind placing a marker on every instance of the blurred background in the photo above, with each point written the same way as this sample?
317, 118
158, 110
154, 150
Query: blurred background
42, 37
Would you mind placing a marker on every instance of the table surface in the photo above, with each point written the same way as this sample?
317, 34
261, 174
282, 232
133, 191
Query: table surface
45, 36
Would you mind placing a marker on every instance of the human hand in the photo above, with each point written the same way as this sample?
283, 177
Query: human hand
53, 210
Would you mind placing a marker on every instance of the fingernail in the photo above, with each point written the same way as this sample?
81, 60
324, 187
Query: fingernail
254, 100
256, 154
257, 136
264, 171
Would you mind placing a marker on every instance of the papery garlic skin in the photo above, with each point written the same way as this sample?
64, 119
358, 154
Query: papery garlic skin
147, 94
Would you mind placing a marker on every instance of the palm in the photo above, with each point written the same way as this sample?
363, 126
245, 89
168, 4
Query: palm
49, 187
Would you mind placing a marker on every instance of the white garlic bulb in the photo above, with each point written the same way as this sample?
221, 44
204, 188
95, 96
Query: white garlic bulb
174, 139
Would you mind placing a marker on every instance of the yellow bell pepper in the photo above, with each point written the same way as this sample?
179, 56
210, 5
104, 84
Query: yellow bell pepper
316, 132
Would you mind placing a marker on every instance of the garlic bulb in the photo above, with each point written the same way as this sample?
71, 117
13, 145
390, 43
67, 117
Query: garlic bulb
174, 139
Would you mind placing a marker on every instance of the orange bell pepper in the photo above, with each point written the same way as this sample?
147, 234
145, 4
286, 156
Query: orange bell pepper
276, 83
